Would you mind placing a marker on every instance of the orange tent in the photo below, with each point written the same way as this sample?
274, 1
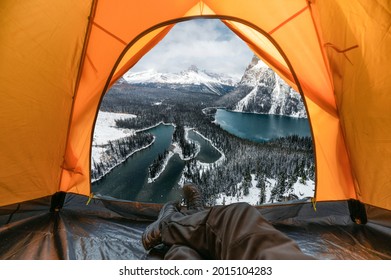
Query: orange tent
58, 59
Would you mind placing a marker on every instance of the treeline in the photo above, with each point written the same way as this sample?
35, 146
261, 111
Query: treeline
142, 122
117, 151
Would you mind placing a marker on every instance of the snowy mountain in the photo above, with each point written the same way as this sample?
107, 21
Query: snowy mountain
261, 90
192, 79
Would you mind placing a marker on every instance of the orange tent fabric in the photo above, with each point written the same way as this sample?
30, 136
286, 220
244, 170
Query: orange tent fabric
58, 59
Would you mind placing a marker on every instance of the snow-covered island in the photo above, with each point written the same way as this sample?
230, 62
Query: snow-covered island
176, 149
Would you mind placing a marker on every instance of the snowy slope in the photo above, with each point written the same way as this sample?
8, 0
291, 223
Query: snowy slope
261, 90
194, 77
267, 93
105, 131
301, 190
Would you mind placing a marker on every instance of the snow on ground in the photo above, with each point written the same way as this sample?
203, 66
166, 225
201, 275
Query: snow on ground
304, 190
301, 190
105, 131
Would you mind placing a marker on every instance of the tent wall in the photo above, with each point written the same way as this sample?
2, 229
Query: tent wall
360, 59
52, 87
40, 52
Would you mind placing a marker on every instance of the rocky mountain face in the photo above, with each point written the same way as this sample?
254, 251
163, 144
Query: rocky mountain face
261, 90
191, 80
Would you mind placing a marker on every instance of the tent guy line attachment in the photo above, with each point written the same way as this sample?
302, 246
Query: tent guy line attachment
330, 45
313, 201
89, 198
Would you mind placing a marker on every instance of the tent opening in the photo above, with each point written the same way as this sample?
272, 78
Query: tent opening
201, 107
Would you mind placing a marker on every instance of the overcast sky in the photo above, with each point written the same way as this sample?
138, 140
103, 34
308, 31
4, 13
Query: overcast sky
208, 44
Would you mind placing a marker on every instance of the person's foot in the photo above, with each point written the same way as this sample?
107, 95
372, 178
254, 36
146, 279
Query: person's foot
193, 197
151, 237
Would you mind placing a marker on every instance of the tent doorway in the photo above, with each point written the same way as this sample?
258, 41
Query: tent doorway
258, 173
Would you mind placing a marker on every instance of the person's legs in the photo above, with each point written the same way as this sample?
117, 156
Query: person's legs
151, 237
179, 252
193, 198
236, 231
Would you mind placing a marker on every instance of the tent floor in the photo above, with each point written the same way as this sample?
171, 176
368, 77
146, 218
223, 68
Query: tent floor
106, 229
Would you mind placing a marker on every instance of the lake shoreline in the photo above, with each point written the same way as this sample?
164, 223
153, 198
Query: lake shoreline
260, 127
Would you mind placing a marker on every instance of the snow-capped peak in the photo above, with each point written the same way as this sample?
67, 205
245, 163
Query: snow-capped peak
253, 72
191, 76
193, 68
263, 91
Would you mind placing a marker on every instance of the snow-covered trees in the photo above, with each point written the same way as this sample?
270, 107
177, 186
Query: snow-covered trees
189, 149
157, 165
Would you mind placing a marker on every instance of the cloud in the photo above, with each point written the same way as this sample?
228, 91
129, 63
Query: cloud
208, 44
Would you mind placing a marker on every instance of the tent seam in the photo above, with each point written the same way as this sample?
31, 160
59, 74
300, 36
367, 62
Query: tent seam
79, 73
288, 20
109, 33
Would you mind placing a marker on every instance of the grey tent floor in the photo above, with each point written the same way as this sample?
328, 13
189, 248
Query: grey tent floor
112, 230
